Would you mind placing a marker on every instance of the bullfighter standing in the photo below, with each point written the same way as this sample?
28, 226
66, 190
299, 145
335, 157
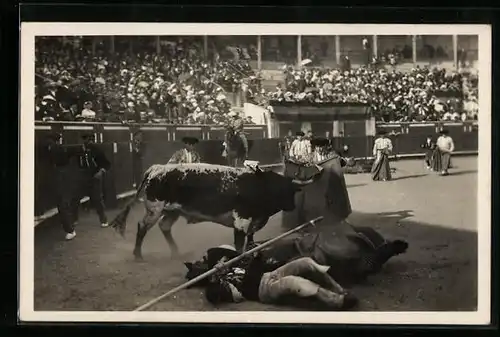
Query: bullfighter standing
93, 164
59, 159
381, 150
188, 154
445, 146
235, 125
429, 146
300, 150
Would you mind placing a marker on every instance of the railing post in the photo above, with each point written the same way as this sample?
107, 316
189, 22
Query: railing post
299, 50
337, 49
414, 48
259, 52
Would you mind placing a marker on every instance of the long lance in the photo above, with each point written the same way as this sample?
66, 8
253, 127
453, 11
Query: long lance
226, 264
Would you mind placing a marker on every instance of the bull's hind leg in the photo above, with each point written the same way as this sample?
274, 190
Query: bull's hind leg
153, 212
166, 223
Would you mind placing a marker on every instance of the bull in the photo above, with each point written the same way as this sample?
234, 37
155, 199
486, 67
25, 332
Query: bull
239, 198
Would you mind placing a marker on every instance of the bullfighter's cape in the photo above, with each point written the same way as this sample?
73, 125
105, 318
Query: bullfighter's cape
326, 195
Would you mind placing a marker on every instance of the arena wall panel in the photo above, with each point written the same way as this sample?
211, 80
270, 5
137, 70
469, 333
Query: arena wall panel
161, 141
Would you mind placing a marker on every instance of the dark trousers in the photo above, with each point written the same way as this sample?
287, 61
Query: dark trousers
91, 185
137, 170
428, 157
65, 190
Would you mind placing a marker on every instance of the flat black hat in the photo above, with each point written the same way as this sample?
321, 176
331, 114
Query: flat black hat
381, 132
299, 133
190, 140
444, 132
319, 142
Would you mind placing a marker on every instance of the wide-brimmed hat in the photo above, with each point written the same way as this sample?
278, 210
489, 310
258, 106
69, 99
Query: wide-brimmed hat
215, 254
381, 132
190, 140
299, 133
444, 132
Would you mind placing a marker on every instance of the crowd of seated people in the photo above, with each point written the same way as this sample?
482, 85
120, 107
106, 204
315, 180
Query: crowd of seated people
177, 86
419, 95
181, 86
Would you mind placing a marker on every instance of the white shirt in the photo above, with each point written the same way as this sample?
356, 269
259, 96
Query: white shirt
445, 143
87, 113
189, 156
381, 144
300, 149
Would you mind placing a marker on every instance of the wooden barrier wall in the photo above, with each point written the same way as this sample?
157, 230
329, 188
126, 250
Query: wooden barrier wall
161, 141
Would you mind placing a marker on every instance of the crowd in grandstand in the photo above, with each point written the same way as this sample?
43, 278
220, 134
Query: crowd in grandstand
180, 85
419, 95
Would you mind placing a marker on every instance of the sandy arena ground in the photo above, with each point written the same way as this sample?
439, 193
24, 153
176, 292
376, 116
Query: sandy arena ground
436, 215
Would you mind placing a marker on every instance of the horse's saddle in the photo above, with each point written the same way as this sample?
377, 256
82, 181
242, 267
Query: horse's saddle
302, 173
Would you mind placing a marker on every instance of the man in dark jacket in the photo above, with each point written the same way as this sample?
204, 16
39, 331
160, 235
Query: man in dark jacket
93, 164
298, 282
137, 154
59, 158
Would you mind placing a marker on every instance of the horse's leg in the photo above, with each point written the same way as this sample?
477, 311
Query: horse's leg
153, 213
166, 223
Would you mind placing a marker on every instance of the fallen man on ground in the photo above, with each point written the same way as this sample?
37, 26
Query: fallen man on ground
300, 282
349, 258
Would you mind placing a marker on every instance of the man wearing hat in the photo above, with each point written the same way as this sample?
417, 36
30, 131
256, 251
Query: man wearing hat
300, 150
235, 125
445, 147
188, 154
93, 164
58, 159
137, 154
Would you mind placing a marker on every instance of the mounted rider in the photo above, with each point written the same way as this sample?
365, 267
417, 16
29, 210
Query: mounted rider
235, 126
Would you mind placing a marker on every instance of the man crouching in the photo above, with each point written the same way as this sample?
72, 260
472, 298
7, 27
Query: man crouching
301, 280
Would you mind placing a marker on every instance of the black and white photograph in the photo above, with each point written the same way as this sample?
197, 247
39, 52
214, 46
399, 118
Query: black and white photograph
255, 173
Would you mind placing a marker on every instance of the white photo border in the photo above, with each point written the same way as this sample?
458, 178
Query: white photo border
29, 30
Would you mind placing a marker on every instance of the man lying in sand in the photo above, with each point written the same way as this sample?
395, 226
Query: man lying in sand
300, 281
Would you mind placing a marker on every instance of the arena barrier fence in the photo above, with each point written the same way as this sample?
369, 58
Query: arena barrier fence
161, 141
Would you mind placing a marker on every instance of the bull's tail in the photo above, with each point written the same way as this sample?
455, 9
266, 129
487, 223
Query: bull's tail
119, 223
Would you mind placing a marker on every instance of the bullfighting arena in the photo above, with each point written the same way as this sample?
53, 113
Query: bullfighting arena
436, 215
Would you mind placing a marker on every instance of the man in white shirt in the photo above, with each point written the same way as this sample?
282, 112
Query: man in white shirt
188, 154
446, 146
300, 150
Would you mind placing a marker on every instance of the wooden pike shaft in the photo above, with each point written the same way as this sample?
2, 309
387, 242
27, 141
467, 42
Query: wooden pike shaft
228, 263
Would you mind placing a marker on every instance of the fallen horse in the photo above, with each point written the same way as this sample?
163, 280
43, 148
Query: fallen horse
352, 257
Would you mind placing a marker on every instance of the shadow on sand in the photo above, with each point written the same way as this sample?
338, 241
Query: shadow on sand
438, 272
409, 177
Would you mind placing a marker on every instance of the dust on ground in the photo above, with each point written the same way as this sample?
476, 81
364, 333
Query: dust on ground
436, 215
